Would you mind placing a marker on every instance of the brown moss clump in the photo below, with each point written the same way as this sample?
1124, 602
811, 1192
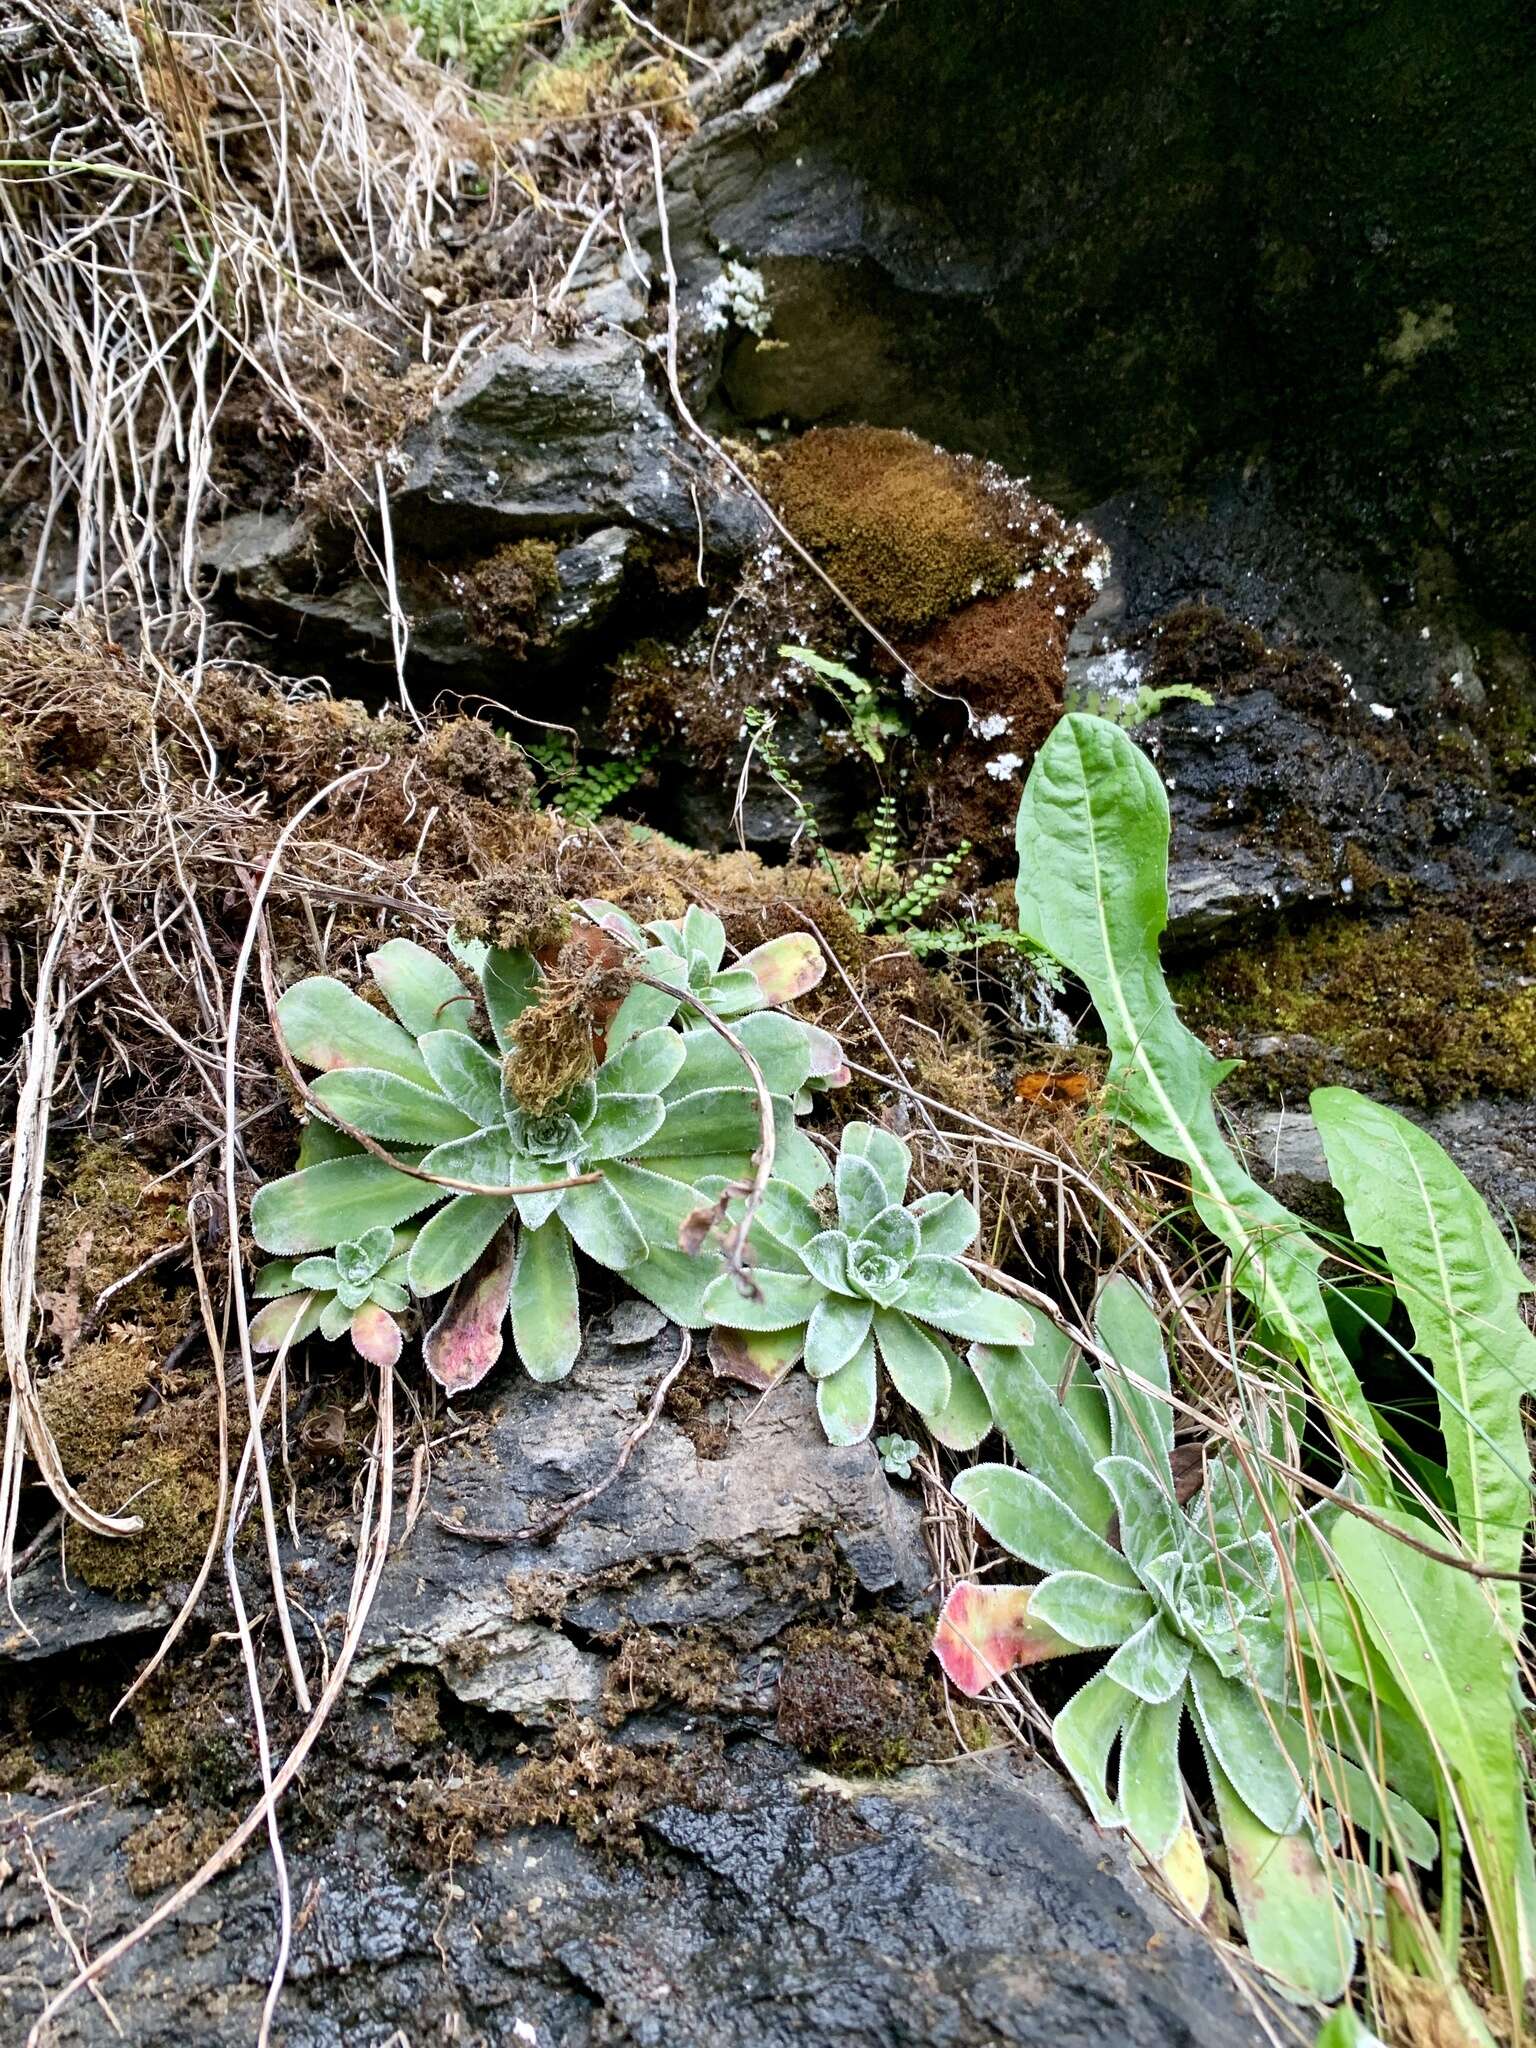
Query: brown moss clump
514, 899
687, 1670
863, 1698
1419, 1005
502, 592
908, 531
167, 1475
414, 1710
168, 1848
598, 1789
93, 1403
560, 1038
471, 756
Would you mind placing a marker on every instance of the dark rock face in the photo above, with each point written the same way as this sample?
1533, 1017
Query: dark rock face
968, 1905
1150, 252
747, 1900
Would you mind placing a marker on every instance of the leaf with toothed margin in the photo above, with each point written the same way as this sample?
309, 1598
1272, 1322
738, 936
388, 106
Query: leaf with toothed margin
376, 1335
328, 1025
424, 993
985, 1632
940, 1292
546, 1308
861, 1190
946, 1224
466, 1073
466, 1340
782, 1299
604, 1226
885, 1152
786, 967
1019, 1511
385, 1106
1021, 1386
510, 980
290, 1319
334, 1203
757, 1358
622, 1126
837, 1329
450, 1242
781, 1046
702, 934
1084, 1734
965, 1420
646, 1065
845, 1401
916, 1364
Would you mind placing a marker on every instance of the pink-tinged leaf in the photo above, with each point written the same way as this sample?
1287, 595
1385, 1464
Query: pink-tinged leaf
288, 1320
376, 1335
758, 1358
986, 1631
466, 1340
827, 1058
785, 967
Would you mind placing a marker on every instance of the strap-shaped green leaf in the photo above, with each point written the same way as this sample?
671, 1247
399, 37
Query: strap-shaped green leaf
289, 1319
837, 1329
385, 1106
825, 1258
335, 1319
846, 1400
885, 1152
710, 1120
621, 1125
781, 1046
1084, 1733
327, 1024
423, 991
1026, 1517
1292, 1921
1150, 1523
450, 1242
546, 1310
1093, 892
782, 1299
894, 1234
918, 1364
861, 1191
322, 1206
675, 1280
466, 1074
487, 1157
645, 1008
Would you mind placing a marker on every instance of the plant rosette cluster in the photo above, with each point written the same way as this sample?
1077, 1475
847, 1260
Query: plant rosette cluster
612, 1168
359, 1288
1188, 1600
882, 1285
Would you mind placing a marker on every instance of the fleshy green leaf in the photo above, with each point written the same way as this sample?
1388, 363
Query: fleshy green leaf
731, 994
702, 934
837, 1329
321, 1272
965, 1420
466, 1074
335, 1319
789, 1215
784, 1299
292, 1318
1141, 1425
825, 1258
510, 981
646, 1065
1089, 1611
918, 1364
601, 1222
781, 1046
1293, 1924
272, 1279
940, 1292
424, 992
1150, 1523
487, 1158
1152, 1664
621, 1125
893, 1233
947, 1224
450, 1242
1037, 1426
646, 1008
321, 1141
1084, 1734
328, 1025
710, 1120
387, 1107
861, 1191
846, 1400
1238, 1732
546, 1310
885, 1152
985, 1632
325, 1205
1093, 892
1022, 1513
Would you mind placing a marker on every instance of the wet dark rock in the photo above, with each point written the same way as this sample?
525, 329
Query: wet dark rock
968, 1905
680, 1541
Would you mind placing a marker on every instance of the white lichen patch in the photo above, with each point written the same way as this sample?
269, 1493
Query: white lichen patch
1004, 767
739, 296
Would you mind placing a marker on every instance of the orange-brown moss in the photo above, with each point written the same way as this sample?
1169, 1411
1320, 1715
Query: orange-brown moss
864, 1698
688, 1670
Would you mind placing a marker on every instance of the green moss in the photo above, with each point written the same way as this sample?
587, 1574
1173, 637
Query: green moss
167, 1477
906, 530
1421, 1006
